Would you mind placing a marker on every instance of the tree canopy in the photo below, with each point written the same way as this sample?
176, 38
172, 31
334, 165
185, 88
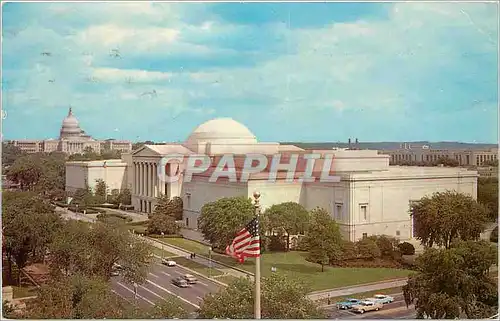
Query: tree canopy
454, 282
281, 298
219, 221
288, 218
445, 216
91, 250
323, 239
10, 153
29, 224
41, 173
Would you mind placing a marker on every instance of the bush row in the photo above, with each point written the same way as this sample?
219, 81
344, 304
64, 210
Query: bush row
165, 236
103, 216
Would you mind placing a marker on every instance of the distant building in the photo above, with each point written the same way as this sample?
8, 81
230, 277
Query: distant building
72, 140
465, 157
86, 173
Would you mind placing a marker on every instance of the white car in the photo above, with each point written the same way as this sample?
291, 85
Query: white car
382, 298
168, 262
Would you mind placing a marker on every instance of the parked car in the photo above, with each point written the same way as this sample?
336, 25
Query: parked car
382, 298
190, 278
117, 266
366, 306
168, 262
115, 272
347, 303
180, 282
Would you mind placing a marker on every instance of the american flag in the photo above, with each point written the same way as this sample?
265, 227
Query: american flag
246, 243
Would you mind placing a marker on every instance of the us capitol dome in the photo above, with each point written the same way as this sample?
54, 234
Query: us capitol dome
72, 140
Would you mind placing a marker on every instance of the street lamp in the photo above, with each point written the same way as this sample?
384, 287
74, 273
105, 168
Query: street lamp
210, 262
162, 251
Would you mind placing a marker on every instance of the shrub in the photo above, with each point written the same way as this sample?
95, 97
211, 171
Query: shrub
301, 244
386, 244
494, 235
349, 251
277, 243
367, 249
406, 248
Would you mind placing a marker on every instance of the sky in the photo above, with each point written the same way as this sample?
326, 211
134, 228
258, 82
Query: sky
310, 72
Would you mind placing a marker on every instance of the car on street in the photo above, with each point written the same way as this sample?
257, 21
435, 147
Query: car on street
365, 306
180, 282
168, 262
347, 303
190, 278
382, 298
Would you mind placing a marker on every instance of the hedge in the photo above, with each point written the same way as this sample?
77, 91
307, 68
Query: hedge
124, 217
87, 210
173, 236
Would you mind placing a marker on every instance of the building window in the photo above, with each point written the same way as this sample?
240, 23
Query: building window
363, 209
338, 211
398, 233
188, 200
365, 235
187, 221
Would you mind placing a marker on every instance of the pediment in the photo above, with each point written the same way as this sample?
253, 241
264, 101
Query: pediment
146, 151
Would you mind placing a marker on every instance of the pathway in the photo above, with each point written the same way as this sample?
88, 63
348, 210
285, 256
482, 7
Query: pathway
318, 295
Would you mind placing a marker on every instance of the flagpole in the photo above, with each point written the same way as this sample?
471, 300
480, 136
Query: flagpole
256, 196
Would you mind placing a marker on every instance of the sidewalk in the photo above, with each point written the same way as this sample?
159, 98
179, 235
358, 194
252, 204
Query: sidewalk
357, 289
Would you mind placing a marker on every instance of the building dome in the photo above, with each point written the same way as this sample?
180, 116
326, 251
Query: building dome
220, 131
70, 126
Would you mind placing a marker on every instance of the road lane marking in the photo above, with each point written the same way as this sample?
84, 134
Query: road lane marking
138, 295
165, 273
153, 293
199, 298
121, 296
156, 276
170, 292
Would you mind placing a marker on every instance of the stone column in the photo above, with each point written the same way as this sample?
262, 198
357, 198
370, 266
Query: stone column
155, 179
142, 178
136, 180
148, 179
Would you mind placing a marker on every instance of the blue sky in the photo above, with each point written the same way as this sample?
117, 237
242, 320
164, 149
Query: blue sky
288, 71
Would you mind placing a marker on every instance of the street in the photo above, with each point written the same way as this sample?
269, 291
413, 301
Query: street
159, 285
394, 310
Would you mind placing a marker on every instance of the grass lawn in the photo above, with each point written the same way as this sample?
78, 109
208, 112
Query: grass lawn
161, 252
200, 268
293, 264
227, 279
24, 291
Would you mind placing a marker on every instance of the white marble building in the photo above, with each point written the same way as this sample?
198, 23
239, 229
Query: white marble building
371, 197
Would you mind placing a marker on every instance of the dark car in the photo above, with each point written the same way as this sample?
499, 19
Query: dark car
180, 282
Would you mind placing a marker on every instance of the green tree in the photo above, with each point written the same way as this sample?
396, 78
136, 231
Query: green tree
10, 154
287, 218
101, 191
41, 173
323, 239
83, 197
454, 282
169, 207
219, 221
76, 297
29, 224
124, 197
93, 249
446, 216
281, 298
160, 223
487, 194
386, 244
